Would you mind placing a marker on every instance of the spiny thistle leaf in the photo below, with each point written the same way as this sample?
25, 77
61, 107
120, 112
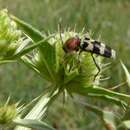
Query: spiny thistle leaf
37, 112
34, 124
126, 73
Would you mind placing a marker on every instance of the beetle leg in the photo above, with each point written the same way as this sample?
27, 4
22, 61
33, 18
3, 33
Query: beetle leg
98, 67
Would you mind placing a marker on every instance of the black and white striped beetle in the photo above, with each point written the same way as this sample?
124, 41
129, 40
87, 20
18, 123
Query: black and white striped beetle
89, 45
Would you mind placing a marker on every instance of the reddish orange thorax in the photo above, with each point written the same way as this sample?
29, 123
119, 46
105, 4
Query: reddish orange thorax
72, 44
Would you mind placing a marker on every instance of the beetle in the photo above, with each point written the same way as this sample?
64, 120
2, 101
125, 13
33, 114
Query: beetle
89, 45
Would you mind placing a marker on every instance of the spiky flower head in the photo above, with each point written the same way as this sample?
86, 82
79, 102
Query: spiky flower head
9, 34
63, 70
8, 113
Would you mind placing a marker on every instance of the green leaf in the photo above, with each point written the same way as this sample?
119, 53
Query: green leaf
34, 124
126, 73
32, 32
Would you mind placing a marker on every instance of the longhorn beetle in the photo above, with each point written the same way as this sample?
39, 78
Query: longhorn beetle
88, 45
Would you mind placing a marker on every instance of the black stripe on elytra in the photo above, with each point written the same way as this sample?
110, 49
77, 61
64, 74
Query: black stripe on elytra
84, 45
86, 38
107, 52
96, 42
96, 49
108, 47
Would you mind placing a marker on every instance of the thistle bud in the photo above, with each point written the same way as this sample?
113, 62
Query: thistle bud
9, 35
7, 114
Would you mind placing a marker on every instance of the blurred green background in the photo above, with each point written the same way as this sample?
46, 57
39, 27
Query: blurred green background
107, 19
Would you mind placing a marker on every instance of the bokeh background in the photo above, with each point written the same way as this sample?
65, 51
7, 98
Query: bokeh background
108, 20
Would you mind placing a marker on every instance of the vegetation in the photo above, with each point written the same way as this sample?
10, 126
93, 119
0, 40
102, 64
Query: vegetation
105, 20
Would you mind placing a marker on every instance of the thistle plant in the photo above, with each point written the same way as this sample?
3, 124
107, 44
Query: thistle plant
67, 73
